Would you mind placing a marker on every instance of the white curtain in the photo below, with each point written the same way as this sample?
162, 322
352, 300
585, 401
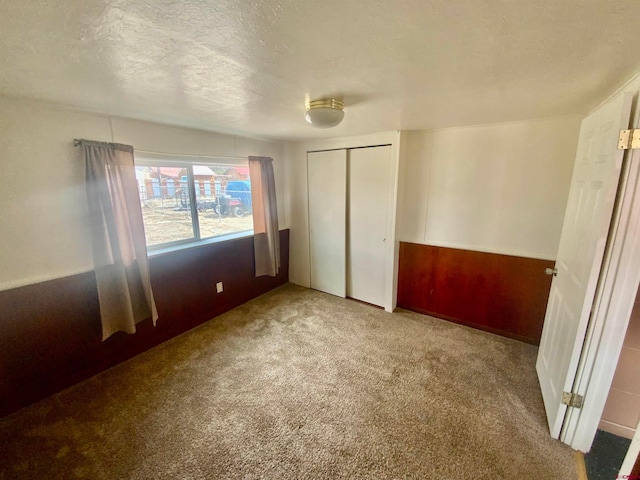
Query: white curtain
117, 235
266, 238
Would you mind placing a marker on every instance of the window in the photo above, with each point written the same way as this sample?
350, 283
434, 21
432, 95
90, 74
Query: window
187, 201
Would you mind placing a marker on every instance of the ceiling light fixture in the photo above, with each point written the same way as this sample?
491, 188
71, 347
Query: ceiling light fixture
324, 113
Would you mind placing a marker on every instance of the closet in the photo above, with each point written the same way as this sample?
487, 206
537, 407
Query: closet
351, 197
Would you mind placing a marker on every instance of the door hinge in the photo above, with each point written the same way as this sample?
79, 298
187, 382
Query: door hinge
572, 399
629, 139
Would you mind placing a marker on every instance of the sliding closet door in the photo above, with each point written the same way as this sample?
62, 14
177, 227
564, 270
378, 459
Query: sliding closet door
370, 201
327, 179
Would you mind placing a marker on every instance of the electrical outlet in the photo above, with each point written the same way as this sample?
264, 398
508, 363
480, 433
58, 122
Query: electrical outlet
219, 287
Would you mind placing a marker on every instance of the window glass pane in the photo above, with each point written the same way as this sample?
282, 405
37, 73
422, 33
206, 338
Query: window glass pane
166, 210
222, 196
224, 199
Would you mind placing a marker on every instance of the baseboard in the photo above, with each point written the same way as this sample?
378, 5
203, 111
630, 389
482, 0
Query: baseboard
477, 326
617, 429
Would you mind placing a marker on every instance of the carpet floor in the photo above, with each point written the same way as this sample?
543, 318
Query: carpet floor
298, 384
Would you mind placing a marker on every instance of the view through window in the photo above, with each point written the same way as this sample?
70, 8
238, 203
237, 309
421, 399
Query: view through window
184, 202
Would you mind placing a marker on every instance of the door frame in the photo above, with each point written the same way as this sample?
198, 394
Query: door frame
631, 457
613, 302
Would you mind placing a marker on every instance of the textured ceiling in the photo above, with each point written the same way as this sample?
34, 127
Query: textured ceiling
247, 66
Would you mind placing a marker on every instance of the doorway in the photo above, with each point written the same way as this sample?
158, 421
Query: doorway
597, 344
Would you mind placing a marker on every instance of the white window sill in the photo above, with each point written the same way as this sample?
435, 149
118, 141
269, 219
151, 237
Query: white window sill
157, 251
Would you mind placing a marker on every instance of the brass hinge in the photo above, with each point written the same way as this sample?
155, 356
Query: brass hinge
572, 399
629, 139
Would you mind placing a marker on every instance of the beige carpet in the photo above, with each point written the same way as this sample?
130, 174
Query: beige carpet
299, 385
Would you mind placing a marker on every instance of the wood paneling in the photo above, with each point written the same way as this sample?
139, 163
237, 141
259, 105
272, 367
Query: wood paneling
50, 334
502, 294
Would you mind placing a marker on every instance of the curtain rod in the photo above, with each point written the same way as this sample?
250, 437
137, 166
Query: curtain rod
76, 143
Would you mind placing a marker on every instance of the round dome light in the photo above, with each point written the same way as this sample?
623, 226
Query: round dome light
324, 113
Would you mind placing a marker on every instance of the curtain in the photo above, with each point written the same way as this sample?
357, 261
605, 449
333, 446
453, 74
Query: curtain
117, 237
266, 238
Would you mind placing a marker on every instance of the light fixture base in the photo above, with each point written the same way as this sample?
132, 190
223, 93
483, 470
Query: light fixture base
324, 112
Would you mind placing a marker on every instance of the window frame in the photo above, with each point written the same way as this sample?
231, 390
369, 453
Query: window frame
147, 159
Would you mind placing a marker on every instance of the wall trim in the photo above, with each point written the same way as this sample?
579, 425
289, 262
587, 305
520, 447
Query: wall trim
483, 249
34, 280
616, 429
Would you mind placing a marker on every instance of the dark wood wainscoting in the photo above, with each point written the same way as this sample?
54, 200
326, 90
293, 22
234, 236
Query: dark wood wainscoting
502, 294
50, 333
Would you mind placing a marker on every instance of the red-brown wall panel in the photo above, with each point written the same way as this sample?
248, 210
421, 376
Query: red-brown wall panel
50, 334
499, 293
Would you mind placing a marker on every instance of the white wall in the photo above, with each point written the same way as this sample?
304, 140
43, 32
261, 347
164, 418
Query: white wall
43, 221
498, 188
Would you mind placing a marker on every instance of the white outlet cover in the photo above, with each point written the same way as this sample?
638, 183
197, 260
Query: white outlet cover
219, 287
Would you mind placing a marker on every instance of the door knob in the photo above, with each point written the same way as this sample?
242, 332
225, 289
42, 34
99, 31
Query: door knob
551, 271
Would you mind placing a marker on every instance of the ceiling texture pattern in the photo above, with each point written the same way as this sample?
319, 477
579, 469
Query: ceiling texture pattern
247, 66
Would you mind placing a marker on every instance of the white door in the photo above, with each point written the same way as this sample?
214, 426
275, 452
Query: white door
582, 245
370, 173
327, 181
